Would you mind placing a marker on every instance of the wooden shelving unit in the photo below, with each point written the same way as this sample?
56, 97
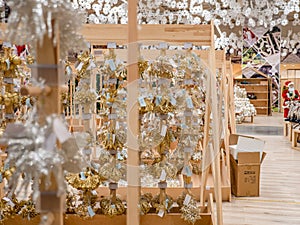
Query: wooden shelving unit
261, 88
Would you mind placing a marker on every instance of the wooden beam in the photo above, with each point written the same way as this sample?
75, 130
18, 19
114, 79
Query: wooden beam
100, 34
47, 68
133, 160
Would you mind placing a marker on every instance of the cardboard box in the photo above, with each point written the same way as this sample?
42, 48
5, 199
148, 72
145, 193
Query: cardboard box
245, 171
242, 143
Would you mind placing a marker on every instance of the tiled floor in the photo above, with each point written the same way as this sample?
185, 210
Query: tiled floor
279, 201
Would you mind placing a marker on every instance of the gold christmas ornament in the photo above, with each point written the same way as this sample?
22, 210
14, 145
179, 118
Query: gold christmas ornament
191, 212
145, 203
89, 180
112, 207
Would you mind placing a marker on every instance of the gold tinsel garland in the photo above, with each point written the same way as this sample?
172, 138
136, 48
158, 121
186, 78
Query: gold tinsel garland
12, 207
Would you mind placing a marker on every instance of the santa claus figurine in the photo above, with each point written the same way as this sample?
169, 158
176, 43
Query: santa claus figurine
289, 94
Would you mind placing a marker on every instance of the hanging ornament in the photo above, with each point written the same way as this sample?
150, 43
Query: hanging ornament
31, 20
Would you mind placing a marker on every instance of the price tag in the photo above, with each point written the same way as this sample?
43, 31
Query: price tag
79, 67
142, 102
158, 100
61, 131
163, 175
7, 64
9, 116
163, 45
117, 125
92, 65
188, 45
90, 211
112, 45
187, 171
112, 116
86, 116
163, 130
6, 166
94, 192
112, 81
112, 64
114, 138
9, 202
87, 151
189, 103
187, 199
173, 101
97, 52
187, 149
162, 81
161, 213
119, 157
8, 80
69, 70
172, 62
82, 176
188, 113
6, 44
50, 142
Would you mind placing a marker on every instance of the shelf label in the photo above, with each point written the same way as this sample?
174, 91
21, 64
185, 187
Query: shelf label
142, 102
189, 103
187, 199
163, 175
112, 64
91, 212
161, 213
163, 130
112, 45
82, 176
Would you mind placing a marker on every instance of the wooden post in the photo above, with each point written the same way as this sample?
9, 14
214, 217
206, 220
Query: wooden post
48, 69
133, 160
217, 136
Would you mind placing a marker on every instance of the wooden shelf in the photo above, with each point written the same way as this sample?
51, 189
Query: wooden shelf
174, 192
257, 92
258, 100
149, 219
255, 85
261, 88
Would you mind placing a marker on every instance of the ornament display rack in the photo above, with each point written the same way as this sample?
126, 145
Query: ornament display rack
262, 89
229, 85
197, 34
225, 165
177, 34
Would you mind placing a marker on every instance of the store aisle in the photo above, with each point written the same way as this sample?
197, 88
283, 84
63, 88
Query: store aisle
279, 201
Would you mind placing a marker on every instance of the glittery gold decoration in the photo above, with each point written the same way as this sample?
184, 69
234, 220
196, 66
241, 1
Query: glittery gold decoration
6, 209
191, 212
6, 172
110, 140
113, 68
9, 63
113, 170
169, 168
11, 207
145, 203
162, 202
84, 62
89, 180
84, 95
143, 65
112, 206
